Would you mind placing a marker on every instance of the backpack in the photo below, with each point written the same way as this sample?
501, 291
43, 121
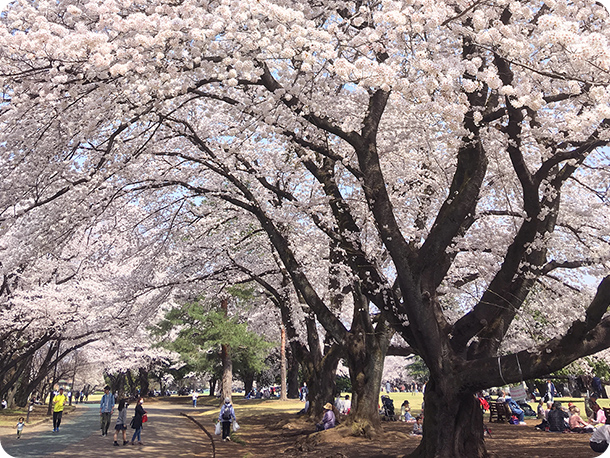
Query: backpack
226, 415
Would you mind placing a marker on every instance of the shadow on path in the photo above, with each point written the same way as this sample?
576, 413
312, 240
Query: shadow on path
166, 434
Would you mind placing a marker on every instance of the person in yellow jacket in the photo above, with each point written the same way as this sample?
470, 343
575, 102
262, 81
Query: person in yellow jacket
58, 408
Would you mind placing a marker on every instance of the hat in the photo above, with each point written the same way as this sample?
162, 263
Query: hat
328, 406
227, 400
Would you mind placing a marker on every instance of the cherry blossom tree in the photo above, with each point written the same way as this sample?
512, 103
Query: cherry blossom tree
444, 161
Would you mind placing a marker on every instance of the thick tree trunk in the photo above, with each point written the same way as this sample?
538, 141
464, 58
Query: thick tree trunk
320, 375
322, 388
248, 383
365, 359
365, 375
453, 424
365, 351
144, 383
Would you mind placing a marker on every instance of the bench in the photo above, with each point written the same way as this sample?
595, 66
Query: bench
499, 412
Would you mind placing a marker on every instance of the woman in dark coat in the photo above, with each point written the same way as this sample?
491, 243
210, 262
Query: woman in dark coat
136, 422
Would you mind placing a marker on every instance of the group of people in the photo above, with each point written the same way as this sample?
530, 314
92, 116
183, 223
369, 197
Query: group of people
343, 405
557, 418
107, 404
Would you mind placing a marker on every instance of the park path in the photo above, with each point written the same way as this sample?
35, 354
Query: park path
167, 434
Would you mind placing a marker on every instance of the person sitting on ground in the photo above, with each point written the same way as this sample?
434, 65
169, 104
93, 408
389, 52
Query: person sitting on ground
405, 412
516, 410
593, 406
541, 411
600, 439
328, 420
418, 426
577, 424
600, 417
557, 418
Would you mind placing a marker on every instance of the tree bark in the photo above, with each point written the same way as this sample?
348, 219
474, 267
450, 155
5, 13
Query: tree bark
366, 369
144, 384
293, 377
365, 350
248, 382
227, 372
212, 383
283, 396
453, 424
227, 362
321, 383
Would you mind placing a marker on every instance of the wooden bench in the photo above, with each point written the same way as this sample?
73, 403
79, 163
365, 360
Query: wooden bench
499, 412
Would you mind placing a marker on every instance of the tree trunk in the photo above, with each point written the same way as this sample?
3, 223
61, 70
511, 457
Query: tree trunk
453, 424
227, 373
213, 382
283, 396
365, 360
144, 384
293, 376
322, 388
226, 388
248, 383
365, 350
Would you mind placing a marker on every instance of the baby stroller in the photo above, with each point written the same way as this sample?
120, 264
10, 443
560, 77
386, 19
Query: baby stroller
387, 407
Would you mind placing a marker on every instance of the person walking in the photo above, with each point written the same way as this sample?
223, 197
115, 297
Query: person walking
226, 417
120, 423
195, 396
106, 409
137, 421
20, 425
58, 408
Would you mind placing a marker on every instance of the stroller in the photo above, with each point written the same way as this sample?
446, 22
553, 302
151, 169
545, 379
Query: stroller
387, 407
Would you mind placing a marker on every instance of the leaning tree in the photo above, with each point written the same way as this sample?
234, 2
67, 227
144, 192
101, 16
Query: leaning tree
445, 158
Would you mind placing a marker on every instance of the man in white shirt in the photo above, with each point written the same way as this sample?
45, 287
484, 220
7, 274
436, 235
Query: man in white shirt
600, 438
195, 396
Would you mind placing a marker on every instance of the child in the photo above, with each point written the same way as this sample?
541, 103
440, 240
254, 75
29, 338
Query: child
418, 427
20, 426
120, 423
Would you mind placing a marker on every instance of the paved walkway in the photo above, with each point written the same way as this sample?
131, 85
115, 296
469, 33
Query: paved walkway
166, 434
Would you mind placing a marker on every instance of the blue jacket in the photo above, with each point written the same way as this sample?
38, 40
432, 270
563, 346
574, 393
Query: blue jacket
514, 407
107, 403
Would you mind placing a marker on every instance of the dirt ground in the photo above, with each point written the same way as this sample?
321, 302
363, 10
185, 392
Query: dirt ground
271, 429
263, 438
